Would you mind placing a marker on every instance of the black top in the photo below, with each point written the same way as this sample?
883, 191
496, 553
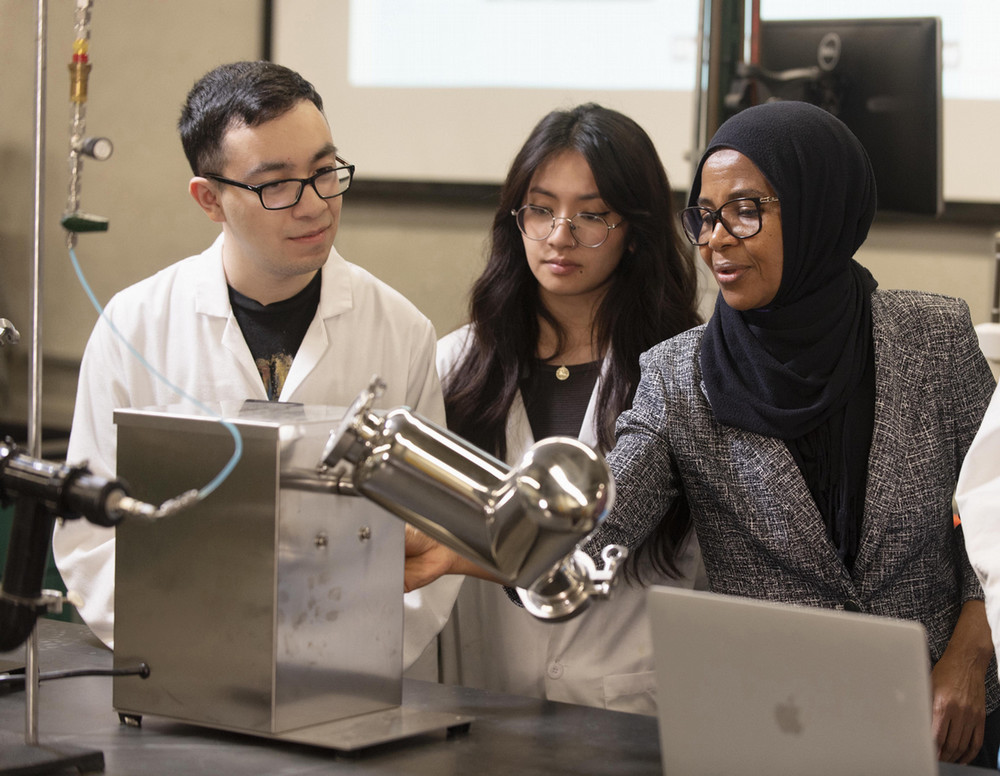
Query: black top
274, 332
557, 407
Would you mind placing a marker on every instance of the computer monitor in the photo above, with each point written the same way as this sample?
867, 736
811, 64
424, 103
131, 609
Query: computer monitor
882, 78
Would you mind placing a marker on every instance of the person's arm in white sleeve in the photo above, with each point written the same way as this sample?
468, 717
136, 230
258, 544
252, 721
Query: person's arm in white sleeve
426, 611
85, 553
423, 389
978, 498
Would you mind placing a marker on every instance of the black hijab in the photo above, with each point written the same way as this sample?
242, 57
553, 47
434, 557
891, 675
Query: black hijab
802, 369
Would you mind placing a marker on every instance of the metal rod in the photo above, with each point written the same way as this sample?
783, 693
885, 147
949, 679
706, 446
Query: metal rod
35, 360
31, 688
698, 138
34, 357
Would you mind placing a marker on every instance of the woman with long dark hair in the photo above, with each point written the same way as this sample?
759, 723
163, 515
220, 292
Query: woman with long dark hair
585, 271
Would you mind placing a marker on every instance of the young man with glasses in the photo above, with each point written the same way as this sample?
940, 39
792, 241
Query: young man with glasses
270, 311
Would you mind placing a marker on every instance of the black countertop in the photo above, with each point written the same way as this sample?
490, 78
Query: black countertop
510, 735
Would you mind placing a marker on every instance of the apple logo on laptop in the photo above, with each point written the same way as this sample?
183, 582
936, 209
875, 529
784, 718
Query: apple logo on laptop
787, 715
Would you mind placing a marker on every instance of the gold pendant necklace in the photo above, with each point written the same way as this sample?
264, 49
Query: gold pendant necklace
562, 373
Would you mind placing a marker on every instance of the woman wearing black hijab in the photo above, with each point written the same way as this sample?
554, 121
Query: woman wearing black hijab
813, 430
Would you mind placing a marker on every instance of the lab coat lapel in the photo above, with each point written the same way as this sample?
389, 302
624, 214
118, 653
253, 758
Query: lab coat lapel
336, 298
234, 341
519, 436
588, 431
211, 299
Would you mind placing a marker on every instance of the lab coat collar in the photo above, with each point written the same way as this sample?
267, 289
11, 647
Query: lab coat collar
212, 299
337, 292
212, 291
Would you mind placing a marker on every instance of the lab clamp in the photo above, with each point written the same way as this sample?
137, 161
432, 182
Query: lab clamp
274, 607
42, 491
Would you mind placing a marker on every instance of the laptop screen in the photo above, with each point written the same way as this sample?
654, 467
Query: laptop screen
746, 686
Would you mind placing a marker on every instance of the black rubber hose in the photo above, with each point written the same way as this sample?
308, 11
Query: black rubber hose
27, 557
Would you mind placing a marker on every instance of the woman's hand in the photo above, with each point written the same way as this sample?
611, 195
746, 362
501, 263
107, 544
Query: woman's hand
427, 559
959, 687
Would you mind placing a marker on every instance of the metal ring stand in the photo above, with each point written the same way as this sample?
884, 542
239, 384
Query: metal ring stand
33, 757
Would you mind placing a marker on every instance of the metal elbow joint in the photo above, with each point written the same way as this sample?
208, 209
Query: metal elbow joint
521, 523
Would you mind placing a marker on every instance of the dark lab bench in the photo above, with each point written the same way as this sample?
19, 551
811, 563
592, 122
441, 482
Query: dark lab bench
510, 735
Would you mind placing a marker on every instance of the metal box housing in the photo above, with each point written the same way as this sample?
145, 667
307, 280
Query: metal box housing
267, 607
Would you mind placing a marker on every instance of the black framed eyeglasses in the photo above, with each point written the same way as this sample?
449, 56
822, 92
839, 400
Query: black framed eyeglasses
588, 229
740, 217
286, 193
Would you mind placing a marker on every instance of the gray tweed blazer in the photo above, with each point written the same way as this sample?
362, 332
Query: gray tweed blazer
760, 532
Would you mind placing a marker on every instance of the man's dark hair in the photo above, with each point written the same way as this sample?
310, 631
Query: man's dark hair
241, 93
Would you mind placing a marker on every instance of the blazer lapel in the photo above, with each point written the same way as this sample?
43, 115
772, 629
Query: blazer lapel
790, 527
889, 438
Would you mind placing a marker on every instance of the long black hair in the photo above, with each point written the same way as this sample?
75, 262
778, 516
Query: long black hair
652, 295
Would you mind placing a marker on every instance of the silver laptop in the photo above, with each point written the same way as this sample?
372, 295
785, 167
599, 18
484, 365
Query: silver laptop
747, 687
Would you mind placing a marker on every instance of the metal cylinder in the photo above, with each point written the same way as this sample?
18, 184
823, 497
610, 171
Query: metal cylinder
518, 523
79, 72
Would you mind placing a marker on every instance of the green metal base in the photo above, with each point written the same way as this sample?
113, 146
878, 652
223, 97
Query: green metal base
84, 222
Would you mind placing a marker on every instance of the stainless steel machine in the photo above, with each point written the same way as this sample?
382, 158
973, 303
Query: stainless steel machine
274, 606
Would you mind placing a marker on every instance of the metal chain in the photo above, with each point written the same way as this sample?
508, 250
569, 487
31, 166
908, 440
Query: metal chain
79, 70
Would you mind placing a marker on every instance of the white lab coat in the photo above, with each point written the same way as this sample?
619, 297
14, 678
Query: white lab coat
602, 657
181, 321
978, 499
